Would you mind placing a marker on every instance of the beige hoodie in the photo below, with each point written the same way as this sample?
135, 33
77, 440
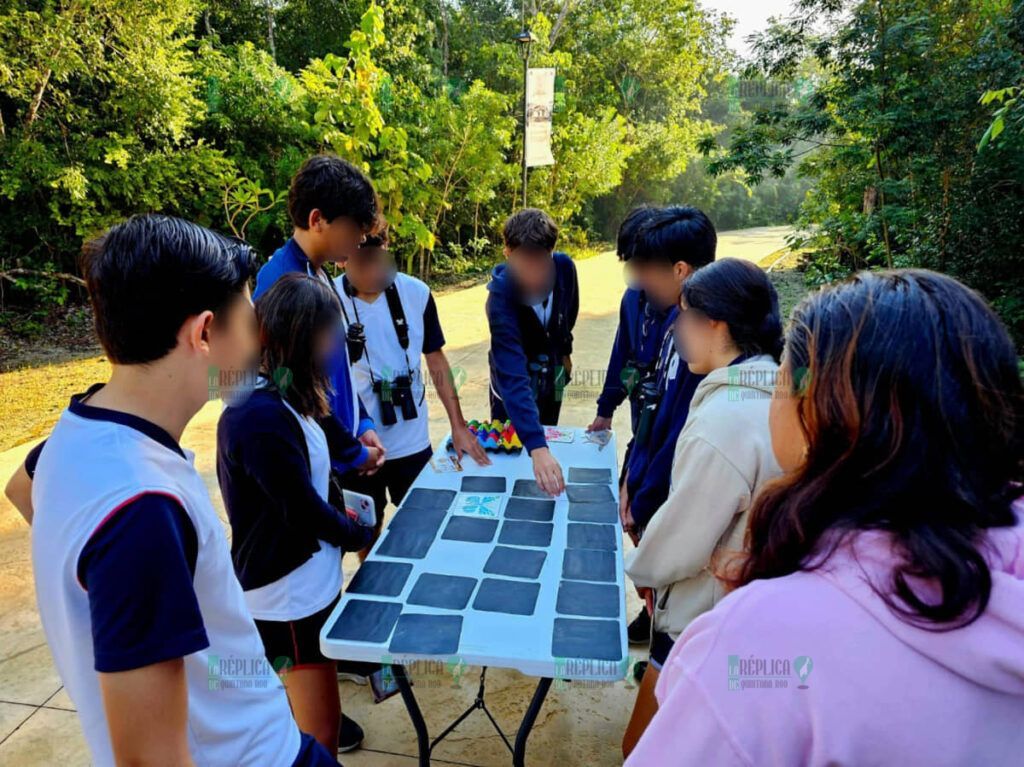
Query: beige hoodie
723, 455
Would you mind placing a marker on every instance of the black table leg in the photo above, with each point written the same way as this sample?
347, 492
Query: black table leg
418, 723
423, 742
519, 754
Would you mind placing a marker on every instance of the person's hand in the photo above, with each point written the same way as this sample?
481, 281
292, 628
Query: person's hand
371, 440
600, 423
374, 460
464, 443
547, 471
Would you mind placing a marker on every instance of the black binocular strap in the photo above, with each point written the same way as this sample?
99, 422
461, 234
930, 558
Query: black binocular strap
397, 315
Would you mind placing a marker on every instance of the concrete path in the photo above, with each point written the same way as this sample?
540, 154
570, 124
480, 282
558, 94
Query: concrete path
579, 724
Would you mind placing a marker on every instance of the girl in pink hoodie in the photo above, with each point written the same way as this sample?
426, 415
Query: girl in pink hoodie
880, 619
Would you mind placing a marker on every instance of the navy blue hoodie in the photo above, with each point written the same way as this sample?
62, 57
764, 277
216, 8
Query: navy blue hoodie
650, 464
637, 341
517, 337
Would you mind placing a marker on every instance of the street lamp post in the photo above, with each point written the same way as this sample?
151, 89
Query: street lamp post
523, 41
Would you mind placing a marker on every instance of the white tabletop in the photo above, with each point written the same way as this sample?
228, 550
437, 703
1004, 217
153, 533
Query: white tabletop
525, 642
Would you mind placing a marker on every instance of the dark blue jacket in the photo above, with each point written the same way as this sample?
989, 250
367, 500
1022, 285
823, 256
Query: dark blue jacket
517, 338
637, 341
277, 516
351, 453
650, 464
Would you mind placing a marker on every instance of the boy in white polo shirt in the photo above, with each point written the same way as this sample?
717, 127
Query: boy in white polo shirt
138, 598
399, 319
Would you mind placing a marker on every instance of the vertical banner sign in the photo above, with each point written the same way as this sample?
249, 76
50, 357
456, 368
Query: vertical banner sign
540, 101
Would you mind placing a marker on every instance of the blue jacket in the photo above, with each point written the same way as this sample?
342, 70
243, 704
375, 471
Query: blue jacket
650, 464
517, 338
637, 341
350, 453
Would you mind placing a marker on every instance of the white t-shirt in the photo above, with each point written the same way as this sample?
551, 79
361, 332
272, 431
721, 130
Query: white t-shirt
311, 586
543, 308
384, 358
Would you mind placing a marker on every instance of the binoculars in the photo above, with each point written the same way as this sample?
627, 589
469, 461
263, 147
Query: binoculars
541, 377
648, 397
395, 397
355, 340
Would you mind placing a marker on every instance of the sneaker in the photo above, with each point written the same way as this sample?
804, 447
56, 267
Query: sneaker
348, 676
350, 735
639, 631
639, 669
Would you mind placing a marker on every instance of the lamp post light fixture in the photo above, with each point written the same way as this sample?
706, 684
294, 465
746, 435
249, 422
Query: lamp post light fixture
523, 41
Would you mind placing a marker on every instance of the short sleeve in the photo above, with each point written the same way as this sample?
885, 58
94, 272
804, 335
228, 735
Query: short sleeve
433, 336
138, 568
32, 459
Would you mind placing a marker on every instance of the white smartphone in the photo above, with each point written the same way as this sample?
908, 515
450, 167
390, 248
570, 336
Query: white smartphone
360, 507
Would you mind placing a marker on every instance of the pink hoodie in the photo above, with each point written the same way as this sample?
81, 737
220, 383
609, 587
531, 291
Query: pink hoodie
875, 690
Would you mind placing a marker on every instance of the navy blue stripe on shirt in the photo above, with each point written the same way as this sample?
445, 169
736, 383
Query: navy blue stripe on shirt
80, 408
137, 568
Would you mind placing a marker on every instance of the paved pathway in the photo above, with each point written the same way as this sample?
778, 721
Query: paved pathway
579, 724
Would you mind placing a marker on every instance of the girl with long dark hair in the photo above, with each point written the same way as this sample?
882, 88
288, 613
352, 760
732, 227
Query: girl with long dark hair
274, 467
879, 614
728, 330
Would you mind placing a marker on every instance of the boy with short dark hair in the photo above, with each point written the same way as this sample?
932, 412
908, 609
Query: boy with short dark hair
637, 337
532, 305
138, 598
332, 206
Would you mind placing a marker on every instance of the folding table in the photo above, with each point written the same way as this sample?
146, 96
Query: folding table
479, 568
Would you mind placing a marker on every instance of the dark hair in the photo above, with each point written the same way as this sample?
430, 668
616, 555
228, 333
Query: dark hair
740, 294
912, 404
673, 234
379, 237
336, 188
530, 228
149, 274
628, 229
292, 315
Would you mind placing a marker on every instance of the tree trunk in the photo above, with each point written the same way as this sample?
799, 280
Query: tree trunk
270, 31
37, 98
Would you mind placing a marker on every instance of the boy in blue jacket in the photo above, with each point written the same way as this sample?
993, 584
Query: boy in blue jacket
332, 206
671, 244
637, 338
532, 304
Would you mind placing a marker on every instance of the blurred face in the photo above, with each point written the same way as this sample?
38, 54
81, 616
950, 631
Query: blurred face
325, 346
700, 340
661, 282
533, 271
789, 443
337, 240
232, 339
371, 270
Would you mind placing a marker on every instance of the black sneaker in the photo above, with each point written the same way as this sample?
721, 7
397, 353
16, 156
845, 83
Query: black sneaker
639, 669
639, 631
350, 735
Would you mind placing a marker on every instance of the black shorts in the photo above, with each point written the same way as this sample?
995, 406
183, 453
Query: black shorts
293, 644
392, 481
661, 646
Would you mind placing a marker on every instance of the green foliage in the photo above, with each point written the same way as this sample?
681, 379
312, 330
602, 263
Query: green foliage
205, 108
899, 96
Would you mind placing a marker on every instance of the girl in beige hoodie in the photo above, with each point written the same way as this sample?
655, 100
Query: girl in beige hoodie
729, 329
